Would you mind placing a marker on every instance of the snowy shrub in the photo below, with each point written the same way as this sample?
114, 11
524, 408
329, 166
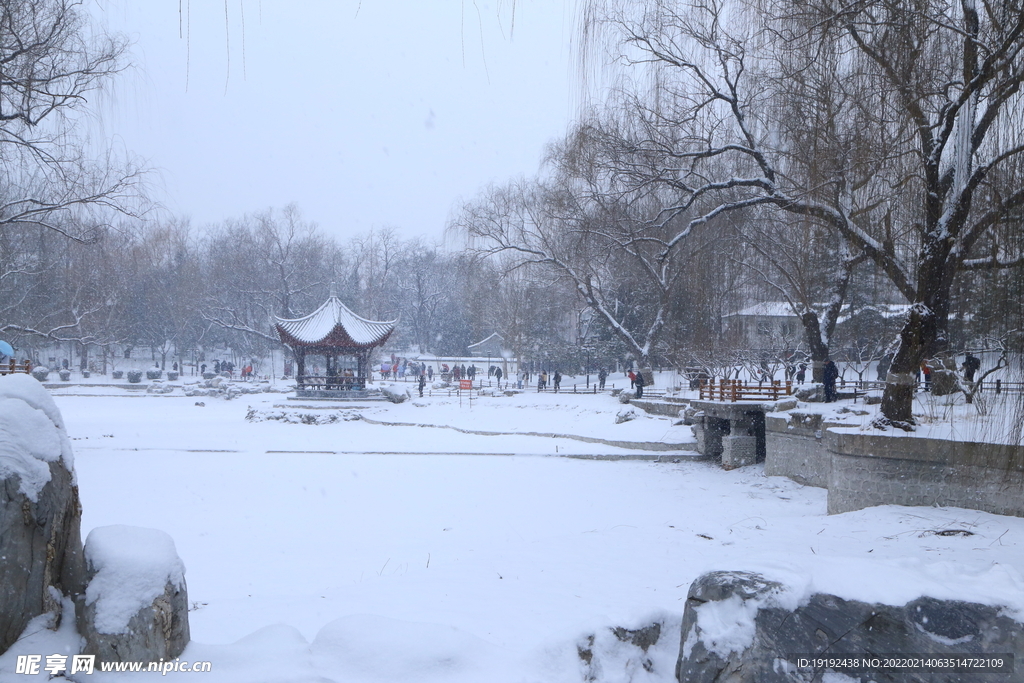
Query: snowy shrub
158, 387
40, 372
135, 376
209, 375
154, 373
172, 376
626, 396
86, 374
65, 375
117, 374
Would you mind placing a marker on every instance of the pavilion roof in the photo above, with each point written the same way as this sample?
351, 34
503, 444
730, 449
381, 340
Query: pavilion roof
334, 325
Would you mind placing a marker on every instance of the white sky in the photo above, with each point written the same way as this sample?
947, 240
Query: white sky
366, 113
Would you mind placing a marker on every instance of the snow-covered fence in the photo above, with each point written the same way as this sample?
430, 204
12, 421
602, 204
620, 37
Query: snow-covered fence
738, 390
14, 366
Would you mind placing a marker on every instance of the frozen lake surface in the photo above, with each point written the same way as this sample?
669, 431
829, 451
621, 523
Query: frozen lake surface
361, 552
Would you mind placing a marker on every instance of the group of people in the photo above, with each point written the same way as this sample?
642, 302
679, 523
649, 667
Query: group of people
400, 367
637, 382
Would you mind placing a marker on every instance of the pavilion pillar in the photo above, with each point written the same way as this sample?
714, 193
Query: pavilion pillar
300, 365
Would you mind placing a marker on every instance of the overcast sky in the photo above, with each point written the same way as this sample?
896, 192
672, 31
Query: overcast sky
366, 113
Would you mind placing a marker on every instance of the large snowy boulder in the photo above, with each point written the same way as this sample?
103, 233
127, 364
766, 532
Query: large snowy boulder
40, 515
394, 393
742, 628
135, 606
810, 393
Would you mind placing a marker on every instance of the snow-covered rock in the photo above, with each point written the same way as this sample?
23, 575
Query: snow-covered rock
135, 606
625, 415
811, 393
744, 628
646, 652
158, 387
305, 417
220, 387
394, 393
40, 515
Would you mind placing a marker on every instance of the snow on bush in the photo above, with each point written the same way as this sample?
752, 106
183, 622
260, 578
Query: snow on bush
626, 396
154, 373
133, 567
40, 372
134, 376
31, 433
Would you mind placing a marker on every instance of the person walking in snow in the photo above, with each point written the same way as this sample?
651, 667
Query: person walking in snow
639, 382
971, 365
558, 380
801, 373
829, 378
632, 379
422, 383
602, 375
497, 376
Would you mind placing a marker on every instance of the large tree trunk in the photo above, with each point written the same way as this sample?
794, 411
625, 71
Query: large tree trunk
923, 337
819, 349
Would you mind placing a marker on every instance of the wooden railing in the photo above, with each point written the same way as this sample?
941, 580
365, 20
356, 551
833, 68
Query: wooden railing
15, 366
737, 390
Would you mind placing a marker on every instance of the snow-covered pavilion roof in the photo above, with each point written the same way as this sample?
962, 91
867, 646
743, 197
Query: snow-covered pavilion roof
333, 324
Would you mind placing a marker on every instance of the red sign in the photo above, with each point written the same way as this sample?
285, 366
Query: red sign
465, 384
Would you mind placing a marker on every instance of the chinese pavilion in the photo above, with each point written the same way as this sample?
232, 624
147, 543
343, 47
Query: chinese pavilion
341, 337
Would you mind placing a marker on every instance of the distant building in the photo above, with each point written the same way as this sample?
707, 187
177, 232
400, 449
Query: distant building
767, 325
491, 347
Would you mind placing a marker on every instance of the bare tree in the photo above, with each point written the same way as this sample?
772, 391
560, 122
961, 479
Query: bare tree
52, 59
936, 88
590, 229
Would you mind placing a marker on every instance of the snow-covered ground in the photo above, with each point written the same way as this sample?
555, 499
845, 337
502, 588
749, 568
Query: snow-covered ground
354, 551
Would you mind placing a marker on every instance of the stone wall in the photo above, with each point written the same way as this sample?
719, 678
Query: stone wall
795, 447
861, 470
879, 469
